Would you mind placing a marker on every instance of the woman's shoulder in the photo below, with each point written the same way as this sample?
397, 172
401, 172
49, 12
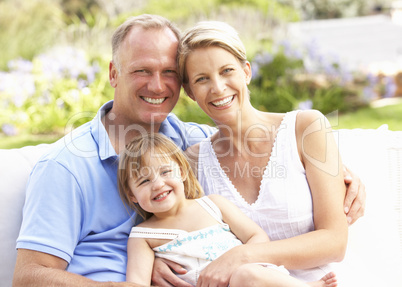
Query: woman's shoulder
307, 118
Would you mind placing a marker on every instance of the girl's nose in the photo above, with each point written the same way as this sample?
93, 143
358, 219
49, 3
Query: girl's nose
158, 183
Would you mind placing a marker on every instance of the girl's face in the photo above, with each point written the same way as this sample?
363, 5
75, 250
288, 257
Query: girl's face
158, 185
217, 82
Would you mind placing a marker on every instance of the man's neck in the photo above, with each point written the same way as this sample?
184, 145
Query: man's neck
121, 132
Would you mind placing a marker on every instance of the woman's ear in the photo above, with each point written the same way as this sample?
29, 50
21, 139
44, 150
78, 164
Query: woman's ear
187, 89
247, 72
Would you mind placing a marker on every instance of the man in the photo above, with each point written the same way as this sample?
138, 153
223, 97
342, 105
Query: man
75, 226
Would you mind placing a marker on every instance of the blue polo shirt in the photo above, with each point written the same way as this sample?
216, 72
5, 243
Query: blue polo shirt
73, 209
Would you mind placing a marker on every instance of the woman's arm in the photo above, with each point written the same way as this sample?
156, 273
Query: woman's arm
327, 243
140, 260
240, 224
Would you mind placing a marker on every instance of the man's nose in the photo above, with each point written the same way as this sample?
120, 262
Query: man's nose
156, 84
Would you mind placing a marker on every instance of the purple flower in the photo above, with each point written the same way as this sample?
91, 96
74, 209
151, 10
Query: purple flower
389, 87
306, 105
9, 129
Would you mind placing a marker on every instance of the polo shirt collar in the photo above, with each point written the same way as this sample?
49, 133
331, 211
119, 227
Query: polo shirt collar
100, 134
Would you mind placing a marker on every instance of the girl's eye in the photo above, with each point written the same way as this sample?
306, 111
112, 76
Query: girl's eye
143, 182
166, 172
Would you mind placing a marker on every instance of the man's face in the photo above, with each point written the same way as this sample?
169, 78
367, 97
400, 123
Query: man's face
147, 87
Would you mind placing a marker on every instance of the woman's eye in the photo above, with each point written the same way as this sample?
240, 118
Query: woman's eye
200, 79
227, 70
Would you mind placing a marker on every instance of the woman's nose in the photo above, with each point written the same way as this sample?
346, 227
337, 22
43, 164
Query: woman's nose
218, 86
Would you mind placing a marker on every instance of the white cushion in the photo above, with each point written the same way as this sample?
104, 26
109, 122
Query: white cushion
374, 251
15, 167
373, 257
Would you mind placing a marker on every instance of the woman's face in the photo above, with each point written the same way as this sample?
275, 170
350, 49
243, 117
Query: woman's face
217, 82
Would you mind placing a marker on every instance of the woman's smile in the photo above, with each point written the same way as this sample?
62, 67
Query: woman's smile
223, 102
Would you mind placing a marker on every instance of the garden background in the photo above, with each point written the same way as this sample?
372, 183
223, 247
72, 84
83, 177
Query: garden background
55, 56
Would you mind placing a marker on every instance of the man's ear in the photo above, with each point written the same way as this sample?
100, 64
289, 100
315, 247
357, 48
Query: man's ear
188, 91
113, 73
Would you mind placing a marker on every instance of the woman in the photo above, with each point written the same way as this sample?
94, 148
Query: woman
282, 170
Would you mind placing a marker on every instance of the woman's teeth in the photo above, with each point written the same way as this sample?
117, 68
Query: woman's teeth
223, 102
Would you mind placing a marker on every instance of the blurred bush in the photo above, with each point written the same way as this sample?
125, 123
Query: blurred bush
43, 95
54, 61
27, 28
301, 78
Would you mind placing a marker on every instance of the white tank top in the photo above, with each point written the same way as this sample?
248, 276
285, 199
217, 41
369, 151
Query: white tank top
284, 205
192, 250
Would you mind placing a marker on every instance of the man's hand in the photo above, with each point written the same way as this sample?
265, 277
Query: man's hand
163, 276
355, 199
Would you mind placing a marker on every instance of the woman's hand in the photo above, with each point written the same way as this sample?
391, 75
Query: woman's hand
355, 199
163, 276
219, 271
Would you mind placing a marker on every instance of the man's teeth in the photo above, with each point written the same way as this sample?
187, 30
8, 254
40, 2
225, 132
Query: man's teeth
222, 102
154, 101
162, 195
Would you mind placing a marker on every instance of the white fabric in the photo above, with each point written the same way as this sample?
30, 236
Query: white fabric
374, 256
15, 167
284, 205
374, 252
193, 250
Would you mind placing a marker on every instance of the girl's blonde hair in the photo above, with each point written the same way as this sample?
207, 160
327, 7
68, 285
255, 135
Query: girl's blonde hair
158, 146
206, 34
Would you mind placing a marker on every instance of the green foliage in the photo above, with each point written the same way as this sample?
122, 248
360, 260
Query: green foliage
27, 28
59, 88
282, 81
189, 111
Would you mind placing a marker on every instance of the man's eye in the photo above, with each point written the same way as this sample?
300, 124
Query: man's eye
140, 71
227, 70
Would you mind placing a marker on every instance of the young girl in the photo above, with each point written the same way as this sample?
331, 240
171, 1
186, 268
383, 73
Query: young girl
155, 179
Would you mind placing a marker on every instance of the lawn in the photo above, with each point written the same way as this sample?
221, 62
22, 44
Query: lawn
365, 118
371, 118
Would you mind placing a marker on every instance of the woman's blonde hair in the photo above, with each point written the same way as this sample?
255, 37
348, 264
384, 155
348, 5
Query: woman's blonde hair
157, 146
206, 34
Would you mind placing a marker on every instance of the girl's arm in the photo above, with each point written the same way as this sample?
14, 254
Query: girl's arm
240, 224
140, 260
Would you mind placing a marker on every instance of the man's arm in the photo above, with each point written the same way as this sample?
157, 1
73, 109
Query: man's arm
39, 269
355, 199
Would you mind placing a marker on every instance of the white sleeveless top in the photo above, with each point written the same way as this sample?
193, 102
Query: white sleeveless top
284, 206
192, 250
